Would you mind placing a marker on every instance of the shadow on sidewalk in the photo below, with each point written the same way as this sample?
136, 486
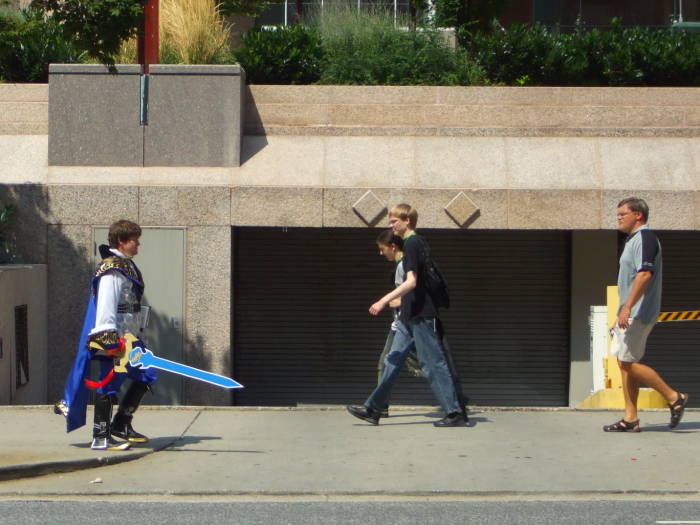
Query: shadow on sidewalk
683, 428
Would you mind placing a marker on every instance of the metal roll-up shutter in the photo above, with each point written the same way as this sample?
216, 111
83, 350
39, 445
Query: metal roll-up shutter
303, 335
673, 349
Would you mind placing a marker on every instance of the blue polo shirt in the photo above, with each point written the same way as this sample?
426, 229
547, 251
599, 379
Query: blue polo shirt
642, 253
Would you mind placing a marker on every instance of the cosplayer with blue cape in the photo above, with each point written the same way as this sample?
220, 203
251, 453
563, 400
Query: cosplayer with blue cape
113, 317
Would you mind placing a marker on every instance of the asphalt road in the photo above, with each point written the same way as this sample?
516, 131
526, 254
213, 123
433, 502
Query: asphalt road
361, 512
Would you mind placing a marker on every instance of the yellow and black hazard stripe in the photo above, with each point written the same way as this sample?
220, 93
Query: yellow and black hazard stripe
693, 315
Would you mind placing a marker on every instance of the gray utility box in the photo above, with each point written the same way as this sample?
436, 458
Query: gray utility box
193, 115
23, 334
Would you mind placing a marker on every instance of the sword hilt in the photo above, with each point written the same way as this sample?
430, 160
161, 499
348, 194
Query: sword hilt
136, 355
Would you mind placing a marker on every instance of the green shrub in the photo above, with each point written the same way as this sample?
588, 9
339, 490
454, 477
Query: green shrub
367, 48
469, 15
98, 27
29, 42
290, 55
243, 7
632, 56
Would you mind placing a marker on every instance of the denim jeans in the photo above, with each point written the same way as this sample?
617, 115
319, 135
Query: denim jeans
412, 364
421, 333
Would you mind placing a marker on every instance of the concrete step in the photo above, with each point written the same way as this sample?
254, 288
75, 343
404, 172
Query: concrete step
459, 116
389, 110
460, 96
24, 109
24, 92
24, 118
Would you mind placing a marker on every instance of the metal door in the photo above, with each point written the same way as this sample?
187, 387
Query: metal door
302, 333
161, 260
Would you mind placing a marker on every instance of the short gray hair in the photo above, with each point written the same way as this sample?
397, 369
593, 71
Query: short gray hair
637, 205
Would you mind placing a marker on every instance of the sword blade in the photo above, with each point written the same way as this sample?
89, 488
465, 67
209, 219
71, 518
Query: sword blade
147, 359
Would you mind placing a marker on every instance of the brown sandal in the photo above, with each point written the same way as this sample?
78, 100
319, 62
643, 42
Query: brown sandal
677, 409
623, 426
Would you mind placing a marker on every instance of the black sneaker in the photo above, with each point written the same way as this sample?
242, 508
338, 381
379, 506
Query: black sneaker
456, 419
384, 412
364, 413
127, 433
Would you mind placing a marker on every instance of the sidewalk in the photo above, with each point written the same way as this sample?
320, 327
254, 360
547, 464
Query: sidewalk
208, 450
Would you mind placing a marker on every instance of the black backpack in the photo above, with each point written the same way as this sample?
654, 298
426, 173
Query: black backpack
434, 282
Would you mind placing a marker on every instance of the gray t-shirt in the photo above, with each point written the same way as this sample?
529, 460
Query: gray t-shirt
642, 253
399, 277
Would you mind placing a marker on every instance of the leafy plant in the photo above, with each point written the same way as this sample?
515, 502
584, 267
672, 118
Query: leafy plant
468, 14
291, 55
367, 48
243, 7
97, 26
633, 56
29, 42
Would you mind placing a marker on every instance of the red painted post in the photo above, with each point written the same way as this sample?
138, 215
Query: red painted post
147, 42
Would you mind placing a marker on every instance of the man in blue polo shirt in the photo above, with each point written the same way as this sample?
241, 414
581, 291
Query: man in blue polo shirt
639, 289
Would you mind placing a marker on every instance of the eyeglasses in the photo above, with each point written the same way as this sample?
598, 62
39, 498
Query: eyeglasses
623, 214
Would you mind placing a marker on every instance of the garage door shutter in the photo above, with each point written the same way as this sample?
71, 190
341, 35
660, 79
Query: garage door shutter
302, 333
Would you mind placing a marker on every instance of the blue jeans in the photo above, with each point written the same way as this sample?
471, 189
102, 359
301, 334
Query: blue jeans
421, 334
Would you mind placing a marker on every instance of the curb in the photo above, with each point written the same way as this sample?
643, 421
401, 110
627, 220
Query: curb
58, 467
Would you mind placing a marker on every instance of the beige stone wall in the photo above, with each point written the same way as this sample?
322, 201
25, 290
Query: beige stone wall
517, 153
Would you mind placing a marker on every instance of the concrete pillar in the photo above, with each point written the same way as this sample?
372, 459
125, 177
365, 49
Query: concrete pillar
94, 115
593, 267
194, 116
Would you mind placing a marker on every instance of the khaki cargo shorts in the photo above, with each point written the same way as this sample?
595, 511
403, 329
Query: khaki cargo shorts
629, 344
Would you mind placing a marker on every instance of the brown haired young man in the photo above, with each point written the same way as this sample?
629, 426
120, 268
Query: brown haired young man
114, 309
417, 326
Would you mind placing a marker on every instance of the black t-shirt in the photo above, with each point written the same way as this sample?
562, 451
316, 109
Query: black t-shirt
417, 302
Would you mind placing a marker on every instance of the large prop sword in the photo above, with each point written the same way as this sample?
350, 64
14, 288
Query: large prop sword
144, 358
138, 356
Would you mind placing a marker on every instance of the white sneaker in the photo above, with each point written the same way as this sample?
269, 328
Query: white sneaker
109, 443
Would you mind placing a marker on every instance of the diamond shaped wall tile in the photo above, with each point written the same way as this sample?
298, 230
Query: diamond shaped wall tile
462, 210
370, 208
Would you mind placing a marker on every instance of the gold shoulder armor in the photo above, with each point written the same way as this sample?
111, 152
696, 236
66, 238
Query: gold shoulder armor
116, 263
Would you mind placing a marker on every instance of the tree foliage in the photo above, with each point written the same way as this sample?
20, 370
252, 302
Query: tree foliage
468, 15
97, 26
29, 42
243, 7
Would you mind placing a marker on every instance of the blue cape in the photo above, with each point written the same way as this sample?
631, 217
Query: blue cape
75, 393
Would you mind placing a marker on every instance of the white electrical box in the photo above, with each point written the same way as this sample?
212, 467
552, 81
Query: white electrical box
599, 344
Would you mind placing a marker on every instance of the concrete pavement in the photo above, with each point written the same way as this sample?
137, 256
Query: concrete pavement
312, 451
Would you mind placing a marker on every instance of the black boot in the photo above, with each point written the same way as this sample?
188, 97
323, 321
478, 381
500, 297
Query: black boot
101, 432
121, 426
